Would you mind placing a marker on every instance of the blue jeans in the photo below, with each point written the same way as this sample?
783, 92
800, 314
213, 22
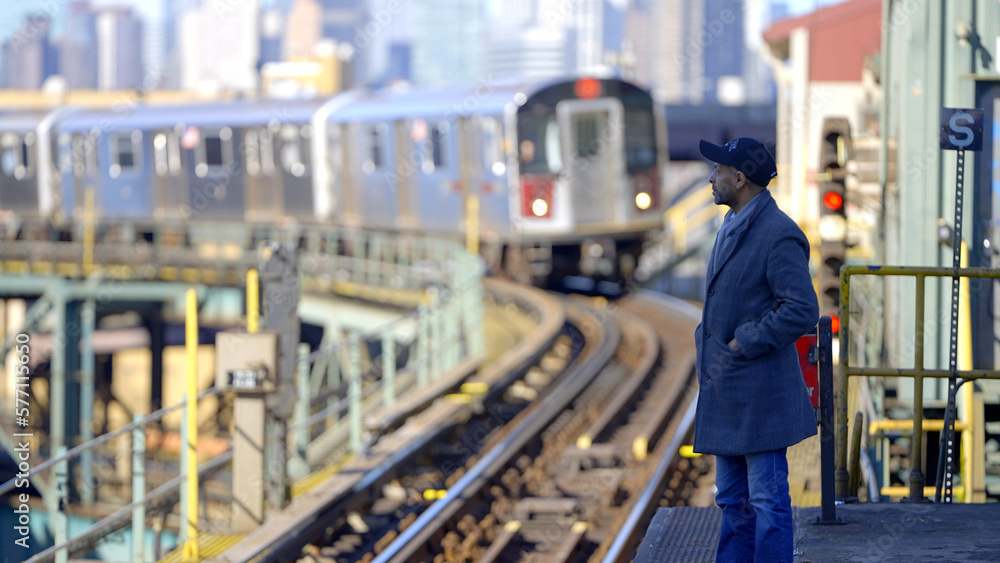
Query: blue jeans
756, 508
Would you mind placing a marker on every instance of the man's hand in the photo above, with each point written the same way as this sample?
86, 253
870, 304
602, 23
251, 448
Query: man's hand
734, 345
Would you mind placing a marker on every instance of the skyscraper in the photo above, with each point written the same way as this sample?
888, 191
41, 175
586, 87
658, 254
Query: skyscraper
520, 44
724, 52
119, 48
157, 39
303, 28
219, 45
447, 41
29, 56
527, 52
699, 51
587, 25
363, 25
78, 47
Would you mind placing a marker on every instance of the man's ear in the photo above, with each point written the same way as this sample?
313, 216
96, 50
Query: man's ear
741, 179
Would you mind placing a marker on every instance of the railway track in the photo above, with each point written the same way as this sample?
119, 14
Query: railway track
558, 464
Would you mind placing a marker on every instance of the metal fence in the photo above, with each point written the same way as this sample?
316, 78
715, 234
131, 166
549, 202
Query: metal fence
918, 373
335, 385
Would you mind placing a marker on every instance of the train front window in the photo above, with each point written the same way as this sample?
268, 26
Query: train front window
640, 140
539, 150
587, 141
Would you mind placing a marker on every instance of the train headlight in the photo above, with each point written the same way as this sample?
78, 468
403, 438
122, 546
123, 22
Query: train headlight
539, 207
643, 200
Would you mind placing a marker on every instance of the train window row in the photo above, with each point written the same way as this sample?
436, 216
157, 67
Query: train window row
211, 150
431, 146
216, 150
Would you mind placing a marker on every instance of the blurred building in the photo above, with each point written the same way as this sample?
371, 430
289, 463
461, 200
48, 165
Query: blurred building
158, 34
699, 51
520, 43
306, 64
272, 36
529, 52
723, 51
29, 56
362, 25
219, 46
78, 47
119, 48
303, 29
319, 74
587, 28
820, 75
400, 62
664, 60
448, 41
760, 86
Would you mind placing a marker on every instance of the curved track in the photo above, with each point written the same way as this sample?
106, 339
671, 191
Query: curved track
566, 464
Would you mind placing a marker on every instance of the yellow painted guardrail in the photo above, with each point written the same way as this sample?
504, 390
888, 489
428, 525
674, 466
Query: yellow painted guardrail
693, 211
918, 373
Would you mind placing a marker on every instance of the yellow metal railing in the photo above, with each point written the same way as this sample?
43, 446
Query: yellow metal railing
689, 214
918, 372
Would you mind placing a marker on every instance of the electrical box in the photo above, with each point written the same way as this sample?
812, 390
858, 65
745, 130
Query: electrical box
246, 362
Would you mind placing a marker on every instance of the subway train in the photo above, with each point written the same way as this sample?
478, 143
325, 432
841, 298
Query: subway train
564, 177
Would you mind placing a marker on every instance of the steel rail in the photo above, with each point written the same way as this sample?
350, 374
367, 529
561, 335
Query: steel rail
629, 392
416, 536
623, 548
298, 528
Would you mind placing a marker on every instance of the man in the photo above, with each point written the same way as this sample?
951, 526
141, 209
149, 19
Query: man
752, 401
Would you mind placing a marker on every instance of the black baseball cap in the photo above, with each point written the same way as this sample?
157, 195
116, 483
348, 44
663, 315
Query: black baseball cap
747, 155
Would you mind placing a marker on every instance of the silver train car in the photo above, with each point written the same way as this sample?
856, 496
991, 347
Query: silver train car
239, 162
27, 150
564, 177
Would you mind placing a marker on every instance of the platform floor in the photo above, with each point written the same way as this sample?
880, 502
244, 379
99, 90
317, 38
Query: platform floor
872, 533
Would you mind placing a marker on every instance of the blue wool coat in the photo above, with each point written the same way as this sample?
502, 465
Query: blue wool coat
759, 292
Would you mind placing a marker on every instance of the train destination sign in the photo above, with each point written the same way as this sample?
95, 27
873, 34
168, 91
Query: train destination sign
961, 129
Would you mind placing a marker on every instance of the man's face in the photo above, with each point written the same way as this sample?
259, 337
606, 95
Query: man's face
723, 180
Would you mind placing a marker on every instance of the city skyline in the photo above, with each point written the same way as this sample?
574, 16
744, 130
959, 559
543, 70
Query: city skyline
388, 40
13, 12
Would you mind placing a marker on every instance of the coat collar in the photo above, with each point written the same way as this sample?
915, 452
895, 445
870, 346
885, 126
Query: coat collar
737, 231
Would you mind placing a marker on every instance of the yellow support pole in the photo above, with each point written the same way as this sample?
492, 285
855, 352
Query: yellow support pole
969, 447
253, 301
472, 224
88, 230
191, 344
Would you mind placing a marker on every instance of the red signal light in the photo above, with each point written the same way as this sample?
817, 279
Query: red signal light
833, 200
835, 324
587, 88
